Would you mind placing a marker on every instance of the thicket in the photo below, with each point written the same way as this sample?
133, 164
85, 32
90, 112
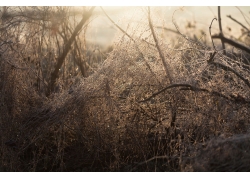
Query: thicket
142, 105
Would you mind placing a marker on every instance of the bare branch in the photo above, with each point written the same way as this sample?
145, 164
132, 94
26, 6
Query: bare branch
243, 15
229, 16
210, 32
62, 57
215, 51
118, 26
166, 66
221, 33
232, 42
188, 86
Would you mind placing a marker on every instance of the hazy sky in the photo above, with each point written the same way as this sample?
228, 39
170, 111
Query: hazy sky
104, 32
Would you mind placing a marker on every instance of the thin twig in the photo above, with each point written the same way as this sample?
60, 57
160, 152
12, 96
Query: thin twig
167, 29
220, 26
118, 26
186, 37
210, 32
243, 16
166, 66
211, 58
151, 159
16, 67
229, 16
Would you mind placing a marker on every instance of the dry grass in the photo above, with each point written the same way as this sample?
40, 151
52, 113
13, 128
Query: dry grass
127, 117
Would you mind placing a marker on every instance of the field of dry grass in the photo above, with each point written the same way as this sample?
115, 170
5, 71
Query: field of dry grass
141, 105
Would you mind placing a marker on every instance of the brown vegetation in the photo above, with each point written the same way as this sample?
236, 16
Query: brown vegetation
124, 114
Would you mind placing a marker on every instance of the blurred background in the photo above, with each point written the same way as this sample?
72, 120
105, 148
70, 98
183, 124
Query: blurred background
190, 18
